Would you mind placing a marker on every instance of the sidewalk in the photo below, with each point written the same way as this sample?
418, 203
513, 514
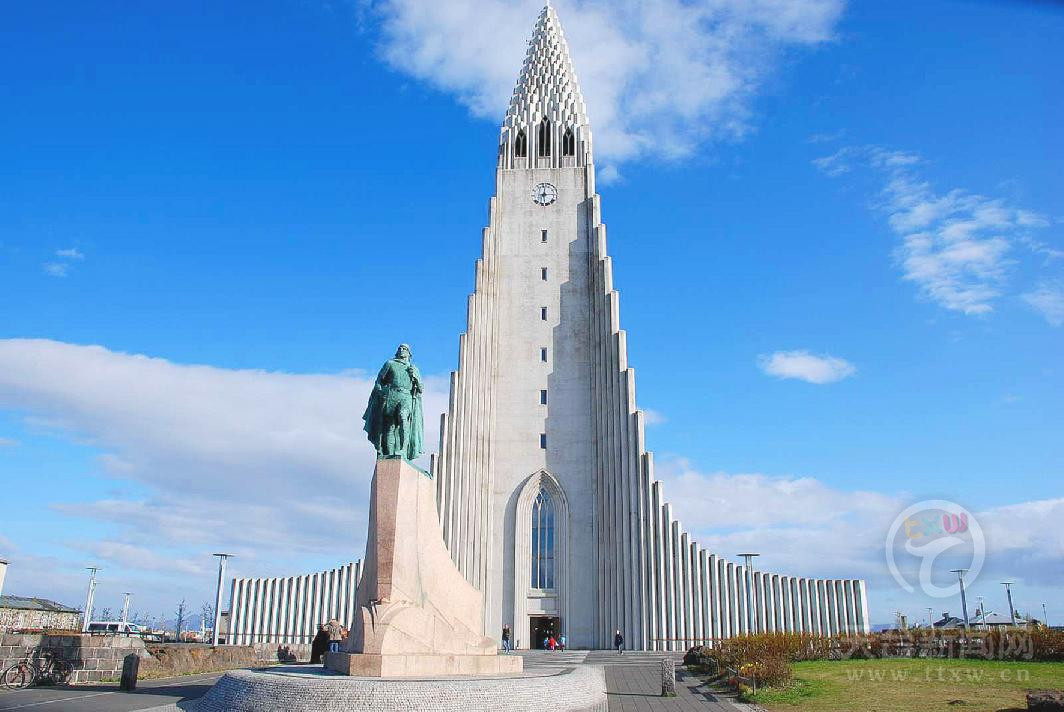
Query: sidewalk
637, 688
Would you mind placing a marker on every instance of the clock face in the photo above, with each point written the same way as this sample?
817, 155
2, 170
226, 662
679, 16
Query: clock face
544, 194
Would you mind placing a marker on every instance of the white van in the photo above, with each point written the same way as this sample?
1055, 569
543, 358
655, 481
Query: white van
115, 628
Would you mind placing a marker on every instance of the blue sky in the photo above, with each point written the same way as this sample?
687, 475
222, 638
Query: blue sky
219, 186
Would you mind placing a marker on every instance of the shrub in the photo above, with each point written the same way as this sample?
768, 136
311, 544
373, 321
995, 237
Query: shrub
771, 671
1037, 643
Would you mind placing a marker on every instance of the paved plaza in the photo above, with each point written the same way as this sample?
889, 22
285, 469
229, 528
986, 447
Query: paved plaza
633, 683
107, 697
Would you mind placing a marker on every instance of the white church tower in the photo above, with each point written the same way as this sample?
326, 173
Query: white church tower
546, 491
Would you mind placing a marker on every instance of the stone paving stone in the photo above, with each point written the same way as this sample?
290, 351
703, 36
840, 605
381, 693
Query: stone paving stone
637, 688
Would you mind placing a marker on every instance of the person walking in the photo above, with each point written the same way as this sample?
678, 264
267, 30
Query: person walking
336, 635
507, 644
562, 641
618, 641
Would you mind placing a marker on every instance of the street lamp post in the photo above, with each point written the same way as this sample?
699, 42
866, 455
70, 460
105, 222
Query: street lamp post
1008, 591
964, 602
3, 573
125, 608
89, 598
1045, 616
222, 558
982, 612
930, 618
749, 558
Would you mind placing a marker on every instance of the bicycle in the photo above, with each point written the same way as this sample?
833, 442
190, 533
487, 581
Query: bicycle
44, 668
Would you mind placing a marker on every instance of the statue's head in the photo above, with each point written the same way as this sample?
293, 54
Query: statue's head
403, 352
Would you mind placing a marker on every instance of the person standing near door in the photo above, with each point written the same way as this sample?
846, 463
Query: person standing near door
618, 641
507, 644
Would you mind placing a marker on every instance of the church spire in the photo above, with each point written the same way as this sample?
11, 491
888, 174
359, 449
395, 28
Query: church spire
546, 124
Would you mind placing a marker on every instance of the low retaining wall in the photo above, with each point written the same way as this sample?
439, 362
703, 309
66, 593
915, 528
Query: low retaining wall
168, 659
99, 657
94, 657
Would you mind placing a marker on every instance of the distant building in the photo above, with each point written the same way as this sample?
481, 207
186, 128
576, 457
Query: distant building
948, 621
978, 620
17, 612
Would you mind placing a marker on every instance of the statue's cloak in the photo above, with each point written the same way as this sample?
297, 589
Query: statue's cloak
397, 384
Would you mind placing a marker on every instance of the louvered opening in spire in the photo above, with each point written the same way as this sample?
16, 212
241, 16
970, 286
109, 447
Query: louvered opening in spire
543, 141
546, 101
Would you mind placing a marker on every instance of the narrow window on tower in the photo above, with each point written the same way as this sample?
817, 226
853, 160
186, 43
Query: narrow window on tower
568, 143
521, 144
543, 313
544, 138
543, 354
543, 541
543, 274
543, 236
543, 440
543, 397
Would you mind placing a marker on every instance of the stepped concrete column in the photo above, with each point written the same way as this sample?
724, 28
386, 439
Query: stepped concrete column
713, 630
785, 600
862, 606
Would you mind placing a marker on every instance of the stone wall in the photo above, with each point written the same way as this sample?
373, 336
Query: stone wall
94, 657
100, 657
19, 618
169, 659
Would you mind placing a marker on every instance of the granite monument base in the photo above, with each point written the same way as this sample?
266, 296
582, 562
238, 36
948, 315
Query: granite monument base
363, 665
293, 689
415, 615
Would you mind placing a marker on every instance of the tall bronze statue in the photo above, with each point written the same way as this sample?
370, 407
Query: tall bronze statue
394, 421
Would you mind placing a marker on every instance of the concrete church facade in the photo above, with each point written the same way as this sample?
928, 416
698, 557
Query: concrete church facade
545, 489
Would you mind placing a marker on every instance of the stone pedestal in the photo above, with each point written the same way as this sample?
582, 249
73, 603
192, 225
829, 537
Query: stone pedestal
310, 689
417, 615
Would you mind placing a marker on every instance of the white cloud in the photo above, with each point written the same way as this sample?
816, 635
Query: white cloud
245, 459
56, 269
1037, 246
957, 246
1049, 300
275, 468
803, 526
659, 78
806, 366
653, 417
144, 558
70, 253
8, 442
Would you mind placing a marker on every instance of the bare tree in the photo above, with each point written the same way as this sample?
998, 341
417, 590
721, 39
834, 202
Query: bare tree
207, 615
138, 618
104, 615
180, 623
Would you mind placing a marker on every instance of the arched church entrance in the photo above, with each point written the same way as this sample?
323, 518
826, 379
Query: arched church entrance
541, 559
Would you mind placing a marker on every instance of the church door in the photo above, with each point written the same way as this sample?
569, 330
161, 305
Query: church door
542, 628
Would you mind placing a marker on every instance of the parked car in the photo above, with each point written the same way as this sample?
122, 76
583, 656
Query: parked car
115, 628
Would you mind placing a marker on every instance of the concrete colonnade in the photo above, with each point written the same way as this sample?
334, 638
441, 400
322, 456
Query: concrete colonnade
288, 610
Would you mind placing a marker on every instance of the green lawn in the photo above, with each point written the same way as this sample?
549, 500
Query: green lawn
924, 685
